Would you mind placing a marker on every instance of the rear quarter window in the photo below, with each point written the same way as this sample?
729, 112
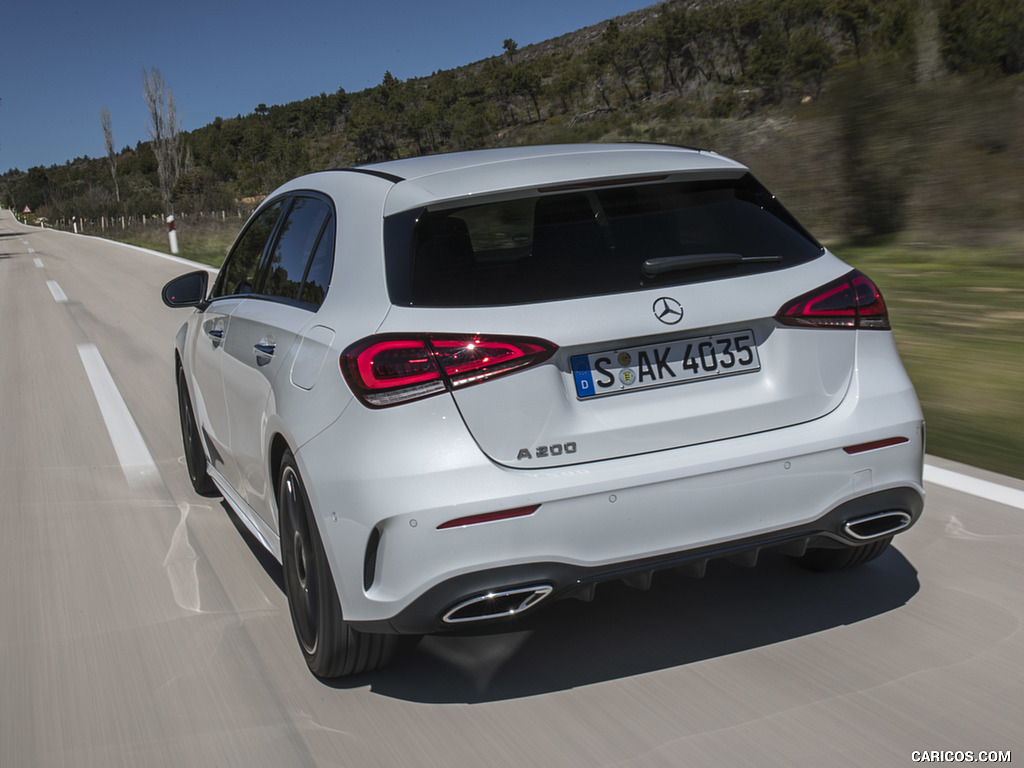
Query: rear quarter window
298, 236
545, 247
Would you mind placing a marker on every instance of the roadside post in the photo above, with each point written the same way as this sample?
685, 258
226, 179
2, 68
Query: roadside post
172, 234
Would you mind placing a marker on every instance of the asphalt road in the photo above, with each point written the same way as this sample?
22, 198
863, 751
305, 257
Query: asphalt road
140, 626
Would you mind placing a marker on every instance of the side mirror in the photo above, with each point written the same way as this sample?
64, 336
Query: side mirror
187, 291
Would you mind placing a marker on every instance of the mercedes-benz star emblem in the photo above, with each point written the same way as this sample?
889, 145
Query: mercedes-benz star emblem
668, 310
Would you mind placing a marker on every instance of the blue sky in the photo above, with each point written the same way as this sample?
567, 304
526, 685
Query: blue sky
64, 61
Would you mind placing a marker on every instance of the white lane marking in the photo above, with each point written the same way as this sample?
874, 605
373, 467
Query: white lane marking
38, 263
31, 250
58, 295
1000, 494
136, 461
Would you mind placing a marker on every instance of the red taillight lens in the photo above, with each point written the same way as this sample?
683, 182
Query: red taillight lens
852, 301
466, 361
392, 369
397, 362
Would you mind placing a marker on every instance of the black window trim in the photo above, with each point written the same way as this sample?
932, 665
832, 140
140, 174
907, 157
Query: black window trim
288, 201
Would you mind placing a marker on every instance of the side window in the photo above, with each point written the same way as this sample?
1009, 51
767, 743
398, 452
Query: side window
318, 277
240, 269
296, 240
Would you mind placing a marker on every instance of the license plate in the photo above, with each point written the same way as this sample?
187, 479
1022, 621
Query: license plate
658, 365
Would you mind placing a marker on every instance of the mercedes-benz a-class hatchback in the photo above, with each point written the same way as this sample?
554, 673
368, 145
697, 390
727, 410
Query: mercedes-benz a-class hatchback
450, 389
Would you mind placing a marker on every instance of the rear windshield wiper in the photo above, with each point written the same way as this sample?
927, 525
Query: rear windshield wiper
662, 264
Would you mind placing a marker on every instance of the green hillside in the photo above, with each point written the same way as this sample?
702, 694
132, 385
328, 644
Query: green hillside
839, 104
894, 129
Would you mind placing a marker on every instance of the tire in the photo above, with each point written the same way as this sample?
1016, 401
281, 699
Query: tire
195, 456
826, 560
331, 647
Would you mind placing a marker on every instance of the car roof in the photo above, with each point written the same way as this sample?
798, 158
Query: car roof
426, 180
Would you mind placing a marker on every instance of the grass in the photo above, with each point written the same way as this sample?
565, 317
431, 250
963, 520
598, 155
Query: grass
957, 313
958, 316
203, 240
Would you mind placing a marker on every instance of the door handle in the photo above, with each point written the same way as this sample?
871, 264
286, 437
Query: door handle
264, 350
215, 332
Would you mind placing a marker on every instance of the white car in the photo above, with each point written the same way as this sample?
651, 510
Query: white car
449, 389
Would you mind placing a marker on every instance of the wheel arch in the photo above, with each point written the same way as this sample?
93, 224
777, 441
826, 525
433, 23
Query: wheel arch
278, 446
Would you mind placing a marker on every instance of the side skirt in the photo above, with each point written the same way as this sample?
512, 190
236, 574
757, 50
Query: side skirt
266, 536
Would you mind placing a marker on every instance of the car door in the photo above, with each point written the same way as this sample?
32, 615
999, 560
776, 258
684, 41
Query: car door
235, 282
264, 330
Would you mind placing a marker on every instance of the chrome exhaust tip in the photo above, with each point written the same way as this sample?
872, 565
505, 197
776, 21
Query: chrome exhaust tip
496, 605
876, 526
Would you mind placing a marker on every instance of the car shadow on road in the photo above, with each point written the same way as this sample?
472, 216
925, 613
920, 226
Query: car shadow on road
626, 632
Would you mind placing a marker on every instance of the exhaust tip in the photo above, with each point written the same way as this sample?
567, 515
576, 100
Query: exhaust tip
497, 605
876, 526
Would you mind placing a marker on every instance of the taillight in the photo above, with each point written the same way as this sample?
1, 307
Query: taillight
398, 368
852, 301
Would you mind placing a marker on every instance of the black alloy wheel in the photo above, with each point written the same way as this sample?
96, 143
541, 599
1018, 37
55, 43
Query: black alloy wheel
330, 646
195, 456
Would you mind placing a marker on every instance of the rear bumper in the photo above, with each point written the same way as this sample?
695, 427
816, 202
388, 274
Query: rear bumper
397, 572
434, 610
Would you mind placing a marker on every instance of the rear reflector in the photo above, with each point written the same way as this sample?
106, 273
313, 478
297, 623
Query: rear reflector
392, 369
489, 517
862, 447
852, 301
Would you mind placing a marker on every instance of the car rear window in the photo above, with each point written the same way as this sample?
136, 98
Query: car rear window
588, 242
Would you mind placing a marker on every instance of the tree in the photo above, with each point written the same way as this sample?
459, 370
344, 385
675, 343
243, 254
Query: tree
853, 17
527, 81
638, 44
36, 189
671, 42
612, 53
471, 124
766, 63
985, 36
741, 28
511, 47
164, 130
501, 89
569, 85
810, 57
896, 33
881, 144
108, 141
